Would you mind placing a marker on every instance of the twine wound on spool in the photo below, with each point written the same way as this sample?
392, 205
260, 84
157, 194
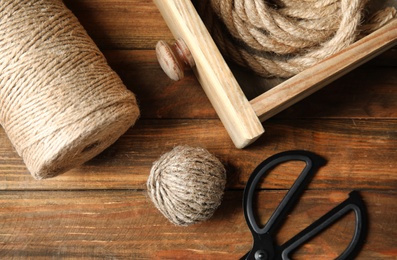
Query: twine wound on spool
60, 102
281, 38
187, 185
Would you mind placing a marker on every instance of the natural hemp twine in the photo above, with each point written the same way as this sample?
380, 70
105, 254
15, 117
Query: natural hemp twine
60, 102
281, 38
187, 185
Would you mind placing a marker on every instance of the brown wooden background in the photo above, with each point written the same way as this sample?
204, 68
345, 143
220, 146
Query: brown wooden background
100, 210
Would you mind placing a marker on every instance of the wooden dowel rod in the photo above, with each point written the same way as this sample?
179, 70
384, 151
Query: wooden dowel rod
211, 70
314, 78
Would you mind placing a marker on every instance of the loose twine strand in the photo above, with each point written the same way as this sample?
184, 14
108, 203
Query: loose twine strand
187, 184
60, 102
284, 37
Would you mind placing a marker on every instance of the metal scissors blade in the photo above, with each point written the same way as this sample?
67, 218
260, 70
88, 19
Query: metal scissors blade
264, 245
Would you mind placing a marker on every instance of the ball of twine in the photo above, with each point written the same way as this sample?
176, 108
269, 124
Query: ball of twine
187, 185
60, 102
281, 38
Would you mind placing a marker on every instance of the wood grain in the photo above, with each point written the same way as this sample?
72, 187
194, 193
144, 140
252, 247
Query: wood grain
360, 155
88, 224
367, 92
100, 210
121, 24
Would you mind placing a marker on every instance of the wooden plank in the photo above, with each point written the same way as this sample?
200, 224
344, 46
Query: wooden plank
367, 92
121, 24
125, 224
361, 154
158, 96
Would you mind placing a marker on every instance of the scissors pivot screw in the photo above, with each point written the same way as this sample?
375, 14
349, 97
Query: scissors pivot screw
261, 255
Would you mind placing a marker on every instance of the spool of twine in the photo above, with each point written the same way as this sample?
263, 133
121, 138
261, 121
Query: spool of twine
60, 102
280, 38
187, 185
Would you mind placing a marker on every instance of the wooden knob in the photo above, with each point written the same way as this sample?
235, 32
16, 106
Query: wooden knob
174, 59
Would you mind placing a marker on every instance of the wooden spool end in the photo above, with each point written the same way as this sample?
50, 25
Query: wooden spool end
174, 59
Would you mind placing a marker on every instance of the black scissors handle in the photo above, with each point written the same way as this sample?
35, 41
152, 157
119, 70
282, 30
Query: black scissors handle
353, 203
264, 246
313, 163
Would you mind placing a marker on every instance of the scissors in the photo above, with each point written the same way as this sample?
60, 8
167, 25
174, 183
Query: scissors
264, 245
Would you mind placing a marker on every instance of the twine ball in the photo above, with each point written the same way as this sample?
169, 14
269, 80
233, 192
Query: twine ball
187, 185
60, 102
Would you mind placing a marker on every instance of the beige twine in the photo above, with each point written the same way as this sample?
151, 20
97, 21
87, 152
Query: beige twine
283, 37
187, 185
60, 102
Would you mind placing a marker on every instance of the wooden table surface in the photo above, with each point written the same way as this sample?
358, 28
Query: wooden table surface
101, 210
